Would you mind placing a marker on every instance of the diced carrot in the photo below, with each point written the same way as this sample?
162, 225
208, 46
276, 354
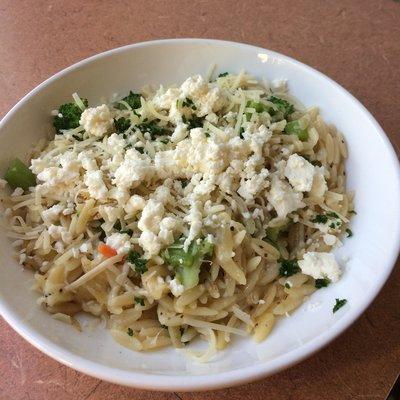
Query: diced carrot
106, 250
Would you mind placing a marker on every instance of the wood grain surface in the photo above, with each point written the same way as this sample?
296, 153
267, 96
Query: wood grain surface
355, 42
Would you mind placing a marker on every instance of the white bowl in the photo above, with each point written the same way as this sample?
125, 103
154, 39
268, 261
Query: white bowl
373, 172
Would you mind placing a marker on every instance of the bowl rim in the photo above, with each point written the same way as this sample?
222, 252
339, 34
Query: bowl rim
224, 379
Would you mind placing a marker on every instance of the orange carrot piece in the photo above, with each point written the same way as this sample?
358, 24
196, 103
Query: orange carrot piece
106, 250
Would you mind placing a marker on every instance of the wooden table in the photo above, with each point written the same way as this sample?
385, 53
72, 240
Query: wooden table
355, 42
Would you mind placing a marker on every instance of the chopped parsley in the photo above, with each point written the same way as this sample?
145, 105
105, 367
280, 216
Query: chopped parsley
122, 124
324, 218
139, 263
339, 304
320, 219
289, 267
193, 122
349, 232
129, 332
287, 286
222, 74
153, 128
189, 103
133, 99
184, 182
283, 106
321, 283
139, 300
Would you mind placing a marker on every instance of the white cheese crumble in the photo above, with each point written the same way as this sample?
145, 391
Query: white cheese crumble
97, 121
320, 265
119, 242
283, 198
300, 173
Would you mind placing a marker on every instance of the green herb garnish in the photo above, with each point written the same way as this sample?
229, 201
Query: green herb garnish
288, 267
339, 304
189, 103
287, 286
283, 106
349, 232
153, 128
321, 283
133, 257
194, 121
222, 74
129, 332
139, 300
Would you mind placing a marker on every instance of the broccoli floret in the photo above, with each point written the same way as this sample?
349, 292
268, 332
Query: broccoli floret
122, 124
133, 99
187, 264
70, 115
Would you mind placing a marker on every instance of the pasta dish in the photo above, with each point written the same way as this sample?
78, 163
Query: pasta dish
208, 209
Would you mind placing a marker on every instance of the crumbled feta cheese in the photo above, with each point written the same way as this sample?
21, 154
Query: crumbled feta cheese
300, 173
167, 227
3, 183
97, 121
51, 214
135, 204
148, 241
320, 265
151, 216
58, 232
95, 184
134, 169
116, 143
249, 188
283, 198
119, 242
176, 287
86, 247
88, 161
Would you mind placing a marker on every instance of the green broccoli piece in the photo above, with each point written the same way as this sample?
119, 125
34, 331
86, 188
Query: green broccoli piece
19, 175
258, 106
293, 128
133, 99
187, 264
122, 124
70, 115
